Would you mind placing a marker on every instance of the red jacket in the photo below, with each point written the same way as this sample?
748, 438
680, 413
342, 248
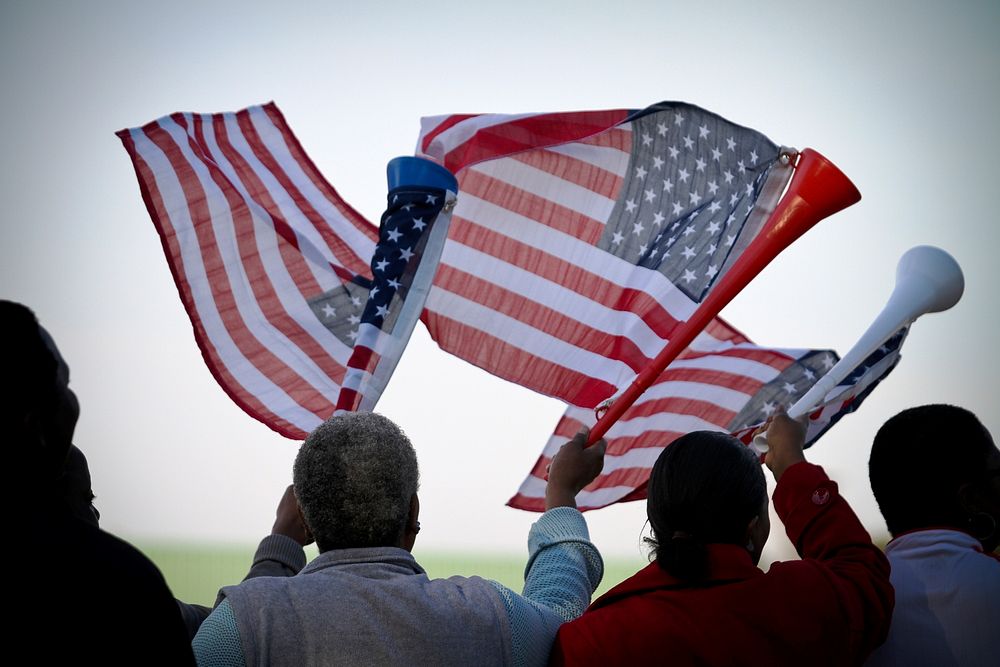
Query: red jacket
832, 608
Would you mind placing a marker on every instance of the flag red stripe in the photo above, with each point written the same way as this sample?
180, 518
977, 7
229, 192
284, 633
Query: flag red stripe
772, 358
531, 206
447, 123
720, 329
528, 503
218, 280
348, 399
630, 476
527, 133
506, 361
617, 137
363, 358
733, 381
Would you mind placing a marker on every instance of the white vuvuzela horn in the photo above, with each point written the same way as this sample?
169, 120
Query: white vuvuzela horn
928, 280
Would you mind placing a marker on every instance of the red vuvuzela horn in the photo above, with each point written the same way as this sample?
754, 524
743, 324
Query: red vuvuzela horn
818, 190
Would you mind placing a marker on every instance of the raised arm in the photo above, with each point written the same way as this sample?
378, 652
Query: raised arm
829, 537
563, 567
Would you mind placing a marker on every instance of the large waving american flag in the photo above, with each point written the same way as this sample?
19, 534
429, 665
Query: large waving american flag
292, 295
580, 242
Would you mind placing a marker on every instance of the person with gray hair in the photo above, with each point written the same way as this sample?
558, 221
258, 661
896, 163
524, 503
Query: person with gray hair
365, 601
355, 482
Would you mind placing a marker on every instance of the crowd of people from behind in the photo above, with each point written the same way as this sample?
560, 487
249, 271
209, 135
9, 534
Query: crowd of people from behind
932, 597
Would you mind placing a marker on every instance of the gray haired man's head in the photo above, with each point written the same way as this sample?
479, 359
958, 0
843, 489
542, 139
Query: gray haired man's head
355, 476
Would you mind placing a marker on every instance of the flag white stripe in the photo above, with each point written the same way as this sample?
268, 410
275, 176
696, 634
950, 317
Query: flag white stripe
607, 158
638, 457
547, 186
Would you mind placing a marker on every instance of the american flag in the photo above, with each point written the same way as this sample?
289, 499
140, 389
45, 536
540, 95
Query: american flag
579, 243
273, 267
581, 240
721, 383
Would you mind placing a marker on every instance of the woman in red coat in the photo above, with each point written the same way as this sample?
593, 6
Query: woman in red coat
704, 601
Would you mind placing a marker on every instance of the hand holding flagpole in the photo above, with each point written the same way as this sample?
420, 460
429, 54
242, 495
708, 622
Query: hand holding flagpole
928, 280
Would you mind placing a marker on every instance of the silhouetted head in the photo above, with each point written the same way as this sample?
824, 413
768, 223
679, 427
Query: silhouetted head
76, 487
705, 488
937, 466
356, 482
38, 411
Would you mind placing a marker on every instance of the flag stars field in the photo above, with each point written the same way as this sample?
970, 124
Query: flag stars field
696, 186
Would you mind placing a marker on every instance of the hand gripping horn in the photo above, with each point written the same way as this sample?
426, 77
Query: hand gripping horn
818, 190
928, 280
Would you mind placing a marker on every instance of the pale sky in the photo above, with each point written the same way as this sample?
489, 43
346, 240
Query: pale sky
902, 96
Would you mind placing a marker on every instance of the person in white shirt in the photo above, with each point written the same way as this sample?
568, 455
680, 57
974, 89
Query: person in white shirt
935, 472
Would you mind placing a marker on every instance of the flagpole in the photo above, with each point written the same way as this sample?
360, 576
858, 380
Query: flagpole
818, 190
